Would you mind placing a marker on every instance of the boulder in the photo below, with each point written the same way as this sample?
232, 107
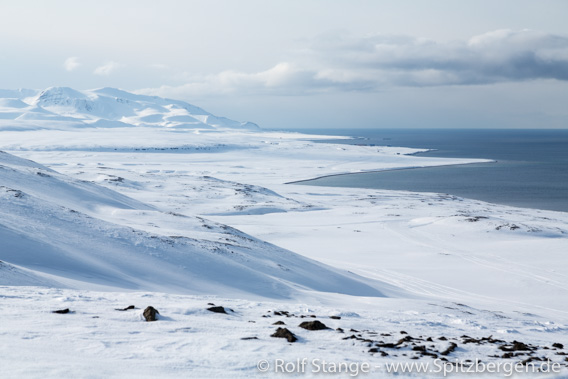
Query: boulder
217, 310
284, 333
313, 325
150, 313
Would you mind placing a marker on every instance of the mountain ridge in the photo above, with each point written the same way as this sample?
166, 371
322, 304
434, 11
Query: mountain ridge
105, 107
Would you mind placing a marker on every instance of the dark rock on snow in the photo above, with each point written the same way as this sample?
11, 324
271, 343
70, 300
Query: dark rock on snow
284, 333
62, 311
313, 325
125, 309
217, 310
404, 339
450, 348
387, 345
150, 313
516, 346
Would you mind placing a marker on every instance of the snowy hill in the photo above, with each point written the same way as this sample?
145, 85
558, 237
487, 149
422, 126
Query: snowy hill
89, 237
105, 107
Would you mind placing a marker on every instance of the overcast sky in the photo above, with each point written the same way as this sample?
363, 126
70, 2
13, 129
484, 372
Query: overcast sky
306, 64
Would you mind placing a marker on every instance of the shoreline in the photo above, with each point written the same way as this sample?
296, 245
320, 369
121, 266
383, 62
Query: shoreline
306, 182
530, 171
384, 170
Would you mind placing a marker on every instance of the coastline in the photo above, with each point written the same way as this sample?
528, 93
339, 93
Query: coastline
530, 169
388, 170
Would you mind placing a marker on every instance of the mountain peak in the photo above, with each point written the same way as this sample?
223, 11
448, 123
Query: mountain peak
58, 95
109, 107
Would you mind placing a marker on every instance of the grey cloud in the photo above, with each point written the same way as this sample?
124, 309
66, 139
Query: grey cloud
497, 56
336, 63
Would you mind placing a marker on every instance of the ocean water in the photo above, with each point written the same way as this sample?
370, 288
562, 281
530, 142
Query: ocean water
531, 168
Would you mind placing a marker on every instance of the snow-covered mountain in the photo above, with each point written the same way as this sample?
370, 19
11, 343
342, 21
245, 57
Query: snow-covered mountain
63, 107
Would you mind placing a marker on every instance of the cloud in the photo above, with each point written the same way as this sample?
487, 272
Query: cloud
340, 63
283, 79
107, 68
493, 57
71, 63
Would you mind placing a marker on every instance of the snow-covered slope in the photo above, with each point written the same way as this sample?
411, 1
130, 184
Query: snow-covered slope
91, 237
63, 108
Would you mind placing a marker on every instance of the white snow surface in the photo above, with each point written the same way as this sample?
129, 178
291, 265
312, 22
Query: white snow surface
109, 199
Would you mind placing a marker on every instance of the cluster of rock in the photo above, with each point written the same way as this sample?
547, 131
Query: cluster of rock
423, 346
417, 347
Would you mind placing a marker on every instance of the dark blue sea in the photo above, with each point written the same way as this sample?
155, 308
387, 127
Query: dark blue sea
531, 168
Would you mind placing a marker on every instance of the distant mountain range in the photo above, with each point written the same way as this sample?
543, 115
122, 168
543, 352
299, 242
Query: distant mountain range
64, 107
